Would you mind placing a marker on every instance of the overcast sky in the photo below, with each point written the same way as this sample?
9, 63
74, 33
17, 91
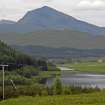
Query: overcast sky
92, 11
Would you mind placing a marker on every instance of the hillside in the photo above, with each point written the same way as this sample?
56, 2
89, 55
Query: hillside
55, 38
10, 56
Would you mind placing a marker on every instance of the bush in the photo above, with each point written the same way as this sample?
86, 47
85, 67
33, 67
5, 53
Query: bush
67, 90
28, 71
57, 87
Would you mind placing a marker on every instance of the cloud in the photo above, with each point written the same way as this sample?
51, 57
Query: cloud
14, 9
91, 5
33, 1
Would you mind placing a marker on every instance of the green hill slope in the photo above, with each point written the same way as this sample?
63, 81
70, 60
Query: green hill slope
8, 55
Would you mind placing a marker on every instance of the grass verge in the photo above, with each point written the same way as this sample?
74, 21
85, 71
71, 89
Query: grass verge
97, 98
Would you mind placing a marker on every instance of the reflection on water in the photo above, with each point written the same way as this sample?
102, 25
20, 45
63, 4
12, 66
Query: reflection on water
80, 79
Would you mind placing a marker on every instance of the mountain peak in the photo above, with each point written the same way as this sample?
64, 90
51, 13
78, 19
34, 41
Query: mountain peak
43, 14
45, 7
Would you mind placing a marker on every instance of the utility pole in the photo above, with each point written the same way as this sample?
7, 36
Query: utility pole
3, 70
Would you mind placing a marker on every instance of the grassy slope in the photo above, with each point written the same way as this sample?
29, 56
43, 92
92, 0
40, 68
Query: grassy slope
83, 99
88, 67
54, 38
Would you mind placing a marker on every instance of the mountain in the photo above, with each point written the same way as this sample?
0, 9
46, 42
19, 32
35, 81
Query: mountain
48, 18
6, 22
50, 28
6, 26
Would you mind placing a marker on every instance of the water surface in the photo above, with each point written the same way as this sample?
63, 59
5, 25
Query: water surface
76, 78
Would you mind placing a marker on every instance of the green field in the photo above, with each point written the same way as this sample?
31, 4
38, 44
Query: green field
87, 67
83, 99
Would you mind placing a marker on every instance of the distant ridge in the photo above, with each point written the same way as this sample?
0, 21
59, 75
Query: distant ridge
7, 22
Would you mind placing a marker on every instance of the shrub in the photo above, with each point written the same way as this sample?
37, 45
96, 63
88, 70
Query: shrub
57, 87
28, 71
67, 90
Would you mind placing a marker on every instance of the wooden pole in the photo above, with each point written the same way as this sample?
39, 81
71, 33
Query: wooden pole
3, 82
3, 67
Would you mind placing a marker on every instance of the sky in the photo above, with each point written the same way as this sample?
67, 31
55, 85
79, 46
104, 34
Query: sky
92, 11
